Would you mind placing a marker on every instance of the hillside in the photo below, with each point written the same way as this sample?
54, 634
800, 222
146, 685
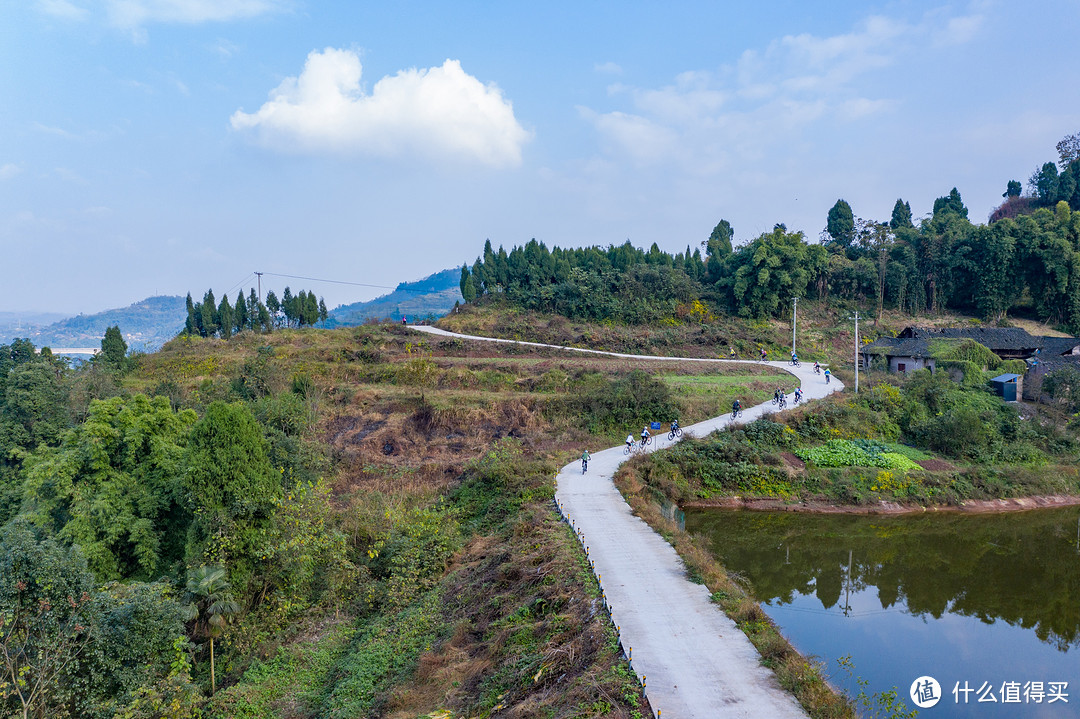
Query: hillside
432, 296
146, 326
21, 324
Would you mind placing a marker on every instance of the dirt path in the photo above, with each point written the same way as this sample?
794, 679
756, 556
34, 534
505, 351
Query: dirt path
695, 662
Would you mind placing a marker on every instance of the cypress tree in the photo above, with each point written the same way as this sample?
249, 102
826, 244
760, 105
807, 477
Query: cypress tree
288, 305
253, 315
225, 317
240, 313
209, 310
190, 326
272, 306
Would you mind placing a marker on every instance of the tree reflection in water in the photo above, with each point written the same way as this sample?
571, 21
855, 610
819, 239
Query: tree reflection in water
1021, 567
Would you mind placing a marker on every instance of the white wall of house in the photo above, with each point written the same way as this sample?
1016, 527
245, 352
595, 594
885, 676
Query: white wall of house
909, 364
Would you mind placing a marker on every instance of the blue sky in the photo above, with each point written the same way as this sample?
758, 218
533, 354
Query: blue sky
166, 146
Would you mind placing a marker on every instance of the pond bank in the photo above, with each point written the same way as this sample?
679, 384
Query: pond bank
974, 506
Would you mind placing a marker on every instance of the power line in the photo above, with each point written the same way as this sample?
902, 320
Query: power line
345, 282
238, 284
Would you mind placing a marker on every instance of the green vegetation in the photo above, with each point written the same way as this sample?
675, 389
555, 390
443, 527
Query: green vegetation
224, 506
877, 447
1027, 261
221, 319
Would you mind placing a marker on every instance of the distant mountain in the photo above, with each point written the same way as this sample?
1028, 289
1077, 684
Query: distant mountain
432, 296
21, 324
146, 325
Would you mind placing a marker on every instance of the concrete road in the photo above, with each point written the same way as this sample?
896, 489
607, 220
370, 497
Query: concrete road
695, 662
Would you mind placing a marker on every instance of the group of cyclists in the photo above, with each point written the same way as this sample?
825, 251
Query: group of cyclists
779, 398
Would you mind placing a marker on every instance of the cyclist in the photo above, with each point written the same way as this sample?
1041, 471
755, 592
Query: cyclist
585, 461
827, 376
794, 359
798, 395
817, 368
783, 400
764, 354
629, 441
736, 407
732, 353
644, 436
675, 426
777, 395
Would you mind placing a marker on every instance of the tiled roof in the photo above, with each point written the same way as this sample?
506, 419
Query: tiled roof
995, 338
914, 341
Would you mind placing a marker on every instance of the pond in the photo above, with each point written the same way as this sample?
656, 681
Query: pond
983, 602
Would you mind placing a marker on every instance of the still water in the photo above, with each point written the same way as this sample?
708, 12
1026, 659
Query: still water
989, 603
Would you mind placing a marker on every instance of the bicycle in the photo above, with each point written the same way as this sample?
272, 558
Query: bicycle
676, 432
629, 448
736, 413
817, 370
796, 363
584, 466
797, 399
783, 404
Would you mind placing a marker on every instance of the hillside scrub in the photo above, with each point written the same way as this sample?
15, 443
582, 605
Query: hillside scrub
365, 487
873, 449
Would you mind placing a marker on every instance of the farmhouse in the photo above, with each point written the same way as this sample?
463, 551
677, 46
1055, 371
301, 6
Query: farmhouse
922, 347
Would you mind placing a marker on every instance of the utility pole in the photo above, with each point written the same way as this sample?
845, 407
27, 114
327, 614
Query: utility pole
260, 285
794, 321
856, 318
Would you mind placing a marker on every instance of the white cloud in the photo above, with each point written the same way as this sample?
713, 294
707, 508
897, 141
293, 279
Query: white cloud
608, 68
135, 14
439, 111
63, 9
9, 171
706, 120
58, 131
225, 49
69, 175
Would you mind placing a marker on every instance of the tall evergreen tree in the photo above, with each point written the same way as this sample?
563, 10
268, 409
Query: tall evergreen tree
240, 313
273, 307
951, 203
209, 315
113, 347
323, 313
468, 289
288, 306
901, 215
253, 302
190, 324
225, 317
840, 223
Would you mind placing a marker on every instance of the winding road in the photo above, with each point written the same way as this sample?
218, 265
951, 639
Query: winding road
694, 662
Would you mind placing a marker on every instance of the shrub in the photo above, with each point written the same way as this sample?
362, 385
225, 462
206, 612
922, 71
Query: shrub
627, 402
1063, 386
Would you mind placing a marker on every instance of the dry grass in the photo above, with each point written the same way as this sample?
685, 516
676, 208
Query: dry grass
525, 638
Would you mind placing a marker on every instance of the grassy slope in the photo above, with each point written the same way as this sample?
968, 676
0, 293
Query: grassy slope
512, 623
824, 332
